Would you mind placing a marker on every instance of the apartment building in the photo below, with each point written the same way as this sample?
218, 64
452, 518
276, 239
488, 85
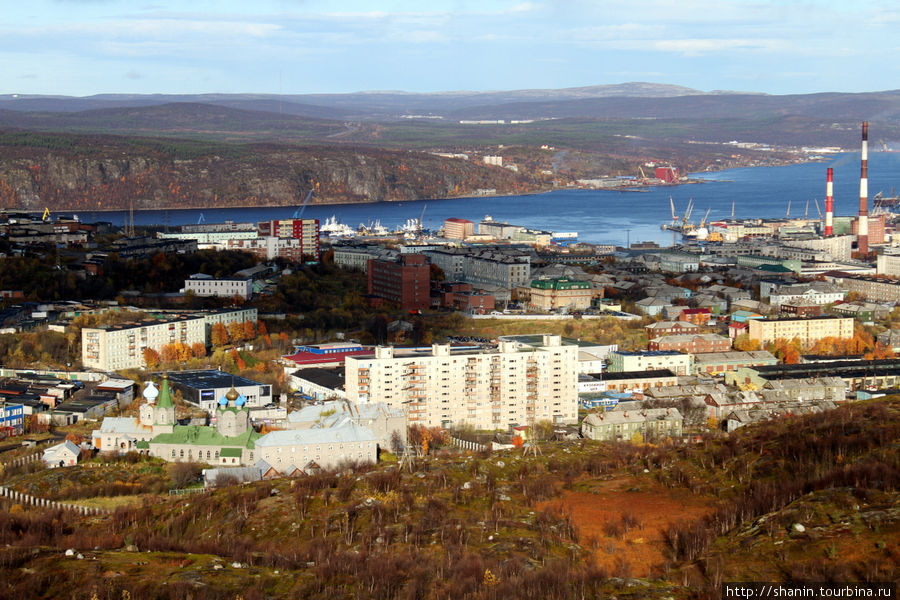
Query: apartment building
357, 258
512, 385
304, 230
116, 347
553, 294
406, 281
271, 247
808, 330
873, 289
458, 229
624, 425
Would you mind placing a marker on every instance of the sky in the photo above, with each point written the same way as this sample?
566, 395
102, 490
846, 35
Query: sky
86, 47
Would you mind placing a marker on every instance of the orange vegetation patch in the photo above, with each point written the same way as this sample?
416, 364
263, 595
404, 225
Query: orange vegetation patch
623, 520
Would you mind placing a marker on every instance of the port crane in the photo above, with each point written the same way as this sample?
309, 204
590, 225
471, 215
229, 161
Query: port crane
705, 217
422, 219
201, 219
818, 209
299, 212
672, 207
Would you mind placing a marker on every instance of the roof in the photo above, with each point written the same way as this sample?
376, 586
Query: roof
212, 378
121, 425
164, 400
58, 450
653, 374
198, 435
312, 358
348, 432
616, 417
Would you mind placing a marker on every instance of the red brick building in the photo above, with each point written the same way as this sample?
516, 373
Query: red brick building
661, 328
692, 344
405, 282
462, 296
802, 310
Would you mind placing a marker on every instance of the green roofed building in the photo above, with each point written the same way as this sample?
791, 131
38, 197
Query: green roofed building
231, 441
554, 294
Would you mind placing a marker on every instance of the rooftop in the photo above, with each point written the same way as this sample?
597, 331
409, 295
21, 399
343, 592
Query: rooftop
209, 379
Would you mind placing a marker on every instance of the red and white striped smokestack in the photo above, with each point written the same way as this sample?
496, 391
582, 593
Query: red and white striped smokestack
829, 202
863, 230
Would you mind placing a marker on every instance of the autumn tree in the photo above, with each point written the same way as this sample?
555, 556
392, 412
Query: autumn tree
744, 343
236, 332
151, 358
218, 335
198, 349
248, 330
168, 353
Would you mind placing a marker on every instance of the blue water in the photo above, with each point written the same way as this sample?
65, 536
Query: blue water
598, 216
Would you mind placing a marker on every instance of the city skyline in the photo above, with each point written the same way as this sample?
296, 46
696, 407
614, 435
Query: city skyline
85, 47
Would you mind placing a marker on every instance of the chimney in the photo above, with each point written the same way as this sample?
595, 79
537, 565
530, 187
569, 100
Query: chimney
829, 202
863, 230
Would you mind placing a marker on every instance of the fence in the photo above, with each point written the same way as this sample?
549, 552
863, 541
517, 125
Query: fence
469, 445
20, 498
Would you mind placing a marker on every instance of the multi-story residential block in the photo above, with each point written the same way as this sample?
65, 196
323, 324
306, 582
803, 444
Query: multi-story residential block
406, 281
116, 347
888, 264
498, 269
357, 258
623, 425
271, 247
808, 331
202, 284
227, 316
873, 289
554, 294
12, 419
694, 344
623, 361
458, 229
493, 389
304, 230
630, 381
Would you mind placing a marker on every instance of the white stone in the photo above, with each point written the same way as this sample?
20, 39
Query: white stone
799, 528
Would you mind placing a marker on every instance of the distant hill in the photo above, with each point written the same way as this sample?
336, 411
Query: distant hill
340, 106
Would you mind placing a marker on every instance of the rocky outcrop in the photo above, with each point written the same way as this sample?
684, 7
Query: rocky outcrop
116, 175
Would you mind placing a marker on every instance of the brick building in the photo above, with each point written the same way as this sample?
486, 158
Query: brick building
698, 316
405, 281
694, 344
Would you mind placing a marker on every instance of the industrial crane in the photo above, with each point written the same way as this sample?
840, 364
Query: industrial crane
299, 212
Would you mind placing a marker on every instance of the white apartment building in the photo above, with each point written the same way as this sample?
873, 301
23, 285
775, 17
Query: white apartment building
117, 347
496, 269
808, 293
808, 330
515, 384
888, 264
206, 285
227, 316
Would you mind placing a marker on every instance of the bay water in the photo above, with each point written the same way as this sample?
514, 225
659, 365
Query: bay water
601, 216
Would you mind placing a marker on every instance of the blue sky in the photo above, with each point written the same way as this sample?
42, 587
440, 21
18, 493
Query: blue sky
84, 47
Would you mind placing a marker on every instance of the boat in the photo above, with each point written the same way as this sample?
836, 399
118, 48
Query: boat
332, 228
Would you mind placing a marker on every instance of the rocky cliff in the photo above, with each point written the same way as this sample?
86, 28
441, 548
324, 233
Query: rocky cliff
99, 173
